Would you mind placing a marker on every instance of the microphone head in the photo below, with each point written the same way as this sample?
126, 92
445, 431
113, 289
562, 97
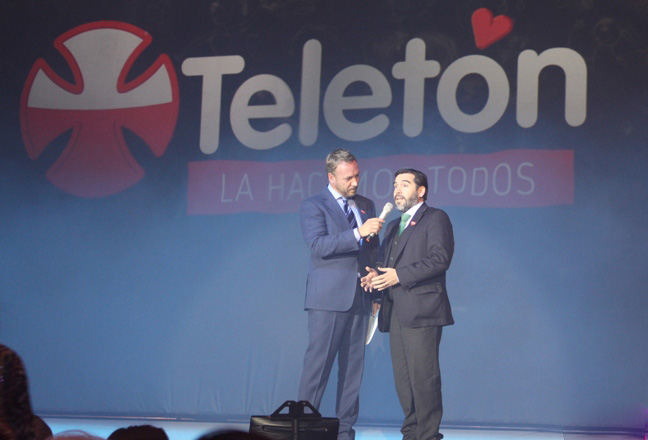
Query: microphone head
386, 210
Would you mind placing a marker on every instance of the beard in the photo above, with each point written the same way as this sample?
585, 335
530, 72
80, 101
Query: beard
405, 203
346, 192
350, 192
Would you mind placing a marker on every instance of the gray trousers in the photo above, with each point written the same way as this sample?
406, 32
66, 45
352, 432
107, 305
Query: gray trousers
341, 335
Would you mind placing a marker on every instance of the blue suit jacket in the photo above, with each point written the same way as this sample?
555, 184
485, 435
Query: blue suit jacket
335, 256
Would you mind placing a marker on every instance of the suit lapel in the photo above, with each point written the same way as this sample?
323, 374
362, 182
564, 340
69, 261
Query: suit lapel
390, 233
334, 208
362, 208
409, 230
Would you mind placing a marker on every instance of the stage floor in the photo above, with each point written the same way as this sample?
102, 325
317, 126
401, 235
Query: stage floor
184, 430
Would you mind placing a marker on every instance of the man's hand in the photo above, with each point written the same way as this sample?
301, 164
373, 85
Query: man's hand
365, 281
372, 225
387, 279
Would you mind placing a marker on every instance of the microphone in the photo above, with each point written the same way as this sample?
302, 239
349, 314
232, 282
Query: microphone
385, 212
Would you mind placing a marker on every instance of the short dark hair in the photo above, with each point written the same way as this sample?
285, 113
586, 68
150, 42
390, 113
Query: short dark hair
139, 432
420, 179
335, 157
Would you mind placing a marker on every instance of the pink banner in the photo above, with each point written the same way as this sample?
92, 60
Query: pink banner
506, 179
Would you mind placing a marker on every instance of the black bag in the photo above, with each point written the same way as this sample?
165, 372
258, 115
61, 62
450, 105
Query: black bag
297, 424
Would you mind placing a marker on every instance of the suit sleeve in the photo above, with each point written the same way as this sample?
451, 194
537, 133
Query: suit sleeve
438, 255
323, 238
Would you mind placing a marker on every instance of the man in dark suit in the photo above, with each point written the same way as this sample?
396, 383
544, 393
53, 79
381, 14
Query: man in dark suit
334, 224
415, 254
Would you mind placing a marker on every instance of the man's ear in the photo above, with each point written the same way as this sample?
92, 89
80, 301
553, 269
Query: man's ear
421, 192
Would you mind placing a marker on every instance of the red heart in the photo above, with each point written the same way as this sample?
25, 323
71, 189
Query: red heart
487, 29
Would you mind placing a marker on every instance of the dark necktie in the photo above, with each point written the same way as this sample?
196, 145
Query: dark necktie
349, 214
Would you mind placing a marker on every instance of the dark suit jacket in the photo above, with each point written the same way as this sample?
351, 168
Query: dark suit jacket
421, 259
335, 256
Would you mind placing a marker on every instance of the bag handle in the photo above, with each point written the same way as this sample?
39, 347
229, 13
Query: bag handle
296, 410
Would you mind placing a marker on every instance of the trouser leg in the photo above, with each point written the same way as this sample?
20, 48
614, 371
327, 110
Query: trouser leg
415, 354
330, 334
402, 380
319, 357
351, 357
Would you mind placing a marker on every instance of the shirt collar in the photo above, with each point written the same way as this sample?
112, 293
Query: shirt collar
413, 209
336, 195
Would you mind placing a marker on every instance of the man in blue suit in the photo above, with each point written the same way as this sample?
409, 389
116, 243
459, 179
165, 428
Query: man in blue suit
336, 224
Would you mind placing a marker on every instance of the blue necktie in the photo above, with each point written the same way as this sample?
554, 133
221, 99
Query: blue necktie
349, 214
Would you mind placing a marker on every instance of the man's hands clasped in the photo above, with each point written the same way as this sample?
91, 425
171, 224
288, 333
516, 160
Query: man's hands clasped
373, 280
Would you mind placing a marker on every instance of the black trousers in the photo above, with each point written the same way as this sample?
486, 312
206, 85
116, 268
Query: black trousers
415, 360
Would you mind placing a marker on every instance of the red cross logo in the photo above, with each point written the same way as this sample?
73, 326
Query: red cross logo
97, 106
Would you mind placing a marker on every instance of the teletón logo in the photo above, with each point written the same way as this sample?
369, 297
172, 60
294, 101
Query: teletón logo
97, 106
98, 103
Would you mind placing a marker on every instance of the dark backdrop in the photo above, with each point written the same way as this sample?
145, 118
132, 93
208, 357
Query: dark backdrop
137, 302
